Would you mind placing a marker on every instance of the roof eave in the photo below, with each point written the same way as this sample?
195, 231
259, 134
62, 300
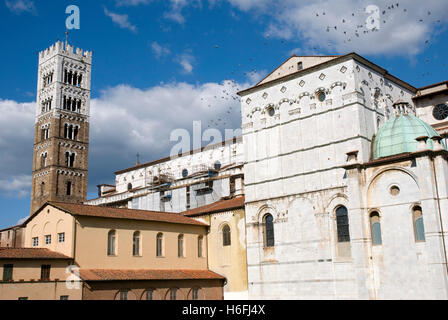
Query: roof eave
351, 55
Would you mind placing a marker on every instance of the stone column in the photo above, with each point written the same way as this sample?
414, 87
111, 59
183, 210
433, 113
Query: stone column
358, 230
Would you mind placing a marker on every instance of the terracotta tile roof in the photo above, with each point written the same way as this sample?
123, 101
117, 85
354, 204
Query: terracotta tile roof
146, 274
219, 206
30, 253
124, 213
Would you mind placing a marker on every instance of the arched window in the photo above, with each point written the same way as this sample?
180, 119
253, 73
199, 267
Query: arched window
70, 132
268, 221
111, 243
375, 228
67, 157
72, 160
136, 243
173, 294
180, 246
342, 224
226, 236
200, 241
129, 186
419, 228
159, 245
42, 189
184, 173
195, 294
148, 295
43, 160
75, 133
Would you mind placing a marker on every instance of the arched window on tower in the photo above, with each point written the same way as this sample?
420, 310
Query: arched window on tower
268, 222
419, 228
75, 133
43, 160
342, 224
69, 132
72, 160
375, 228
42, 189
226, 235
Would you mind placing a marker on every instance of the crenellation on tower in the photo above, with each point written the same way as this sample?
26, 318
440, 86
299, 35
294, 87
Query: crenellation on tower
61, 141
61, 48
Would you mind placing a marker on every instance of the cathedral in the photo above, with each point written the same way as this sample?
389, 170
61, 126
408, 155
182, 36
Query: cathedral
336, 189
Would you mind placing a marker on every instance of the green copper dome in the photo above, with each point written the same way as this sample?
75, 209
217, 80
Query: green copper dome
397, 135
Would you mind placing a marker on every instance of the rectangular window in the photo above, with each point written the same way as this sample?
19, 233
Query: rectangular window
64, 298
7, 272
48, 239
35, 242
61, 237
23, 298
69, 188
200, 246
149, 295
45, 272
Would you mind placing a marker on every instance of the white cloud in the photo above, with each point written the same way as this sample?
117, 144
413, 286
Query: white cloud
121, 19
186, 60
124, 120
256, 76
16, 186
159, 50
130, 3
22, 220
19, 6
176, 7
247, 5
313, 22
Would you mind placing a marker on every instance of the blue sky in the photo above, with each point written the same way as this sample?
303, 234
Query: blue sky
158, 65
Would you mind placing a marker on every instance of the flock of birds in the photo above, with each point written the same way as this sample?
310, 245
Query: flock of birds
226, 102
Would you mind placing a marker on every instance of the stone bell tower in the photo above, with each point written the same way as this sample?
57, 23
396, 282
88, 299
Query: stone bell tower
61, 141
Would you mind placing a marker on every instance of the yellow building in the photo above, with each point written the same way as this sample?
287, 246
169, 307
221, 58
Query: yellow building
226, 242
116, 253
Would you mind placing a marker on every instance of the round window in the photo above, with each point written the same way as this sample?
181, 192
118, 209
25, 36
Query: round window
440, 111
271, 111
394, 190
321, 96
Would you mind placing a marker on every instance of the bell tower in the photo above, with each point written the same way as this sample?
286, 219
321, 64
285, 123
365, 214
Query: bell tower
61, 141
